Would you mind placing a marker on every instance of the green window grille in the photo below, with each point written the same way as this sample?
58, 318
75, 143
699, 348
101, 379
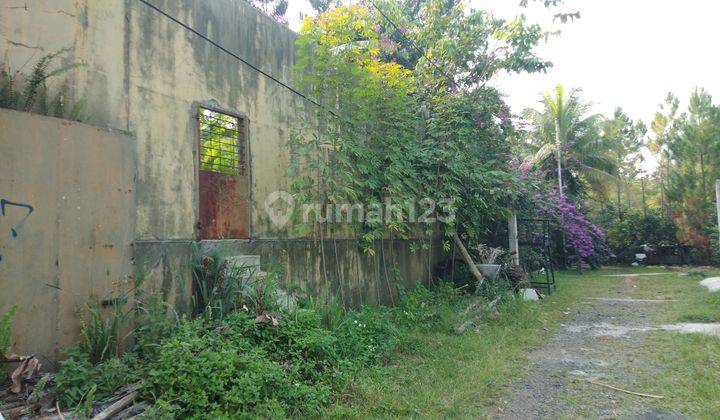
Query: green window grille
221, 148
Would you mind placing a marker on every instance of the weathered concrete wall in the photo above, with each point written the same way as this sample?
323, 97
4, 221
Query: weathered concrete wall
170, 68
91, 31
358, 278
143, 73
66, 225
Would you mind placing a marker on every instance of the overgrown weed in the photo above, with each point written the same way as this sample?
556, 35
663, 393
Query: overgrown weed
228, 359
31, 93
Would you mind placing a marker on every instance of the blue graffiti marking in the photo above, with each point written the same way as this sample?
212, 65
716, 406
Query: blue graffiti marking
13, 231
4, 202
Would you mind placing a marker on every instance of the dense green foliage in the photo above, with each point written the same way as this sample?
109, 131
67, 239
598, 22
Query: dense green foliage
689, 146
232, 362
564, 126
601, 165
405, 125
79, 379
636, 229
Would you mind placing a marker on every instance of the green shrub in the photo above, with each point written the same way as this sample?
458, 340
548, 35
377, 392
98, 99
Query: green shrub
328, 306
78, 377
215, 371
246, 368
221, 288
366, 336
424, 309
6, 329
155, 320
626, 236
234, 365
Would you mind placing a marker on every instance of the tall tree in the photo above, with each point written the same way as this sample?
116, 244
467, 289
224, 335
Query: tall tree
568, 139
624, 136
663, 128
273, 8
693, 162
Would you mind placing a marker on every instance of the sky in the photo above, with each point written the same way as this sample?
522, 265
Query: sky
627, 53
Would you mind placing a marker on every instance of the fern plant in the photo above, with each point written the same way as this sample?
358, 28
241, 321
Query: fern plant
30, 93
99, 333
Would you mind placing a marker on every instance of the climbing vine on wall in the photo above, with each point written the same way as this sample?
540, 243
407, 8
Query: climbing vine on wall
415, 127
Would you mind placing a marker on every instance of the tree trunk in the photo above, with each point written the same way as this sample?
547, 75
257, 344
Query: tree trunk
703, 178
513, 238
619, 186
642, 185
558, 154
468, 259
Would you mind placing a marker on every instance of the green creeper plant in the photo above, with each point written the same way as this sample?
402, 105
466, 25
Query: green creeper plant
402, 123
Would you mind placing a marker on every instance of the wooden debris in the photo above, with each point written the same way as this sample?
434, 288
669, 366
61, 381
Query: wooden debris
116, 407
465, 325
28, 367
133, 410
468, 259
20, 411
639, 394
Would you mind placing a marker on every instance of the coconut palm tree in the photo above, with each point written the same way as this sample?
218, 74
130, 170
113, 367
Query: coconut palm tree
568, 138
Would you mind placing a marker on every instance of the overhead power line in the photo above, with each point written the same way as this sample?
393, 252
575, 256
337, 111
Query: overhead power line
412, 43
234, 55
275, 79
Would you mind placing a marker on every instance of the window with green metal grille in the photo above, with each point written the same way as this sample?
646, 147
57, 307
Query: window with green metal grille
221, 146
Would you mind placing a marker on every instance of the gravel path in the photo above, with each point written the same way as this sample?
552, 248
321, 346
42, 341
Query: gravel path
591, 344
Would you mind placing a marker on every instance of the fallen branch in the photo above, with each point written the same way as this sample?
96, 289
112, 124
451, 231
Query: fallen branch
133, 410
465, 325
20, 411
116, 407
59, 412
474, 304
639, 394
468, 260
28, 367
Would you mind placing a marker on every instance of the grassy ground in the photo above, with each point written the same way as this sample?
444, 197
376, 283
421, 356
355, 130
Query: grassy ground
685, 368
438, 374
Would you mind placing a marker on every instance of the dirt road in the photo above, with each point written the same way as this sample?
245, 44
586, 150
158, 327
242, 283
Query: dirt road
603, 340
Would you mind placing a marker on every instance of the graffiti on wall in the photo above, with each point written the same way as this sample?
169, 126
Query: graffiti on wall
5, 213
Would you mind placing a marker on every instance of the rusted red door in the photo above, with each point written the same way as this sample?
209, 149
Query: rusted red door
223, 176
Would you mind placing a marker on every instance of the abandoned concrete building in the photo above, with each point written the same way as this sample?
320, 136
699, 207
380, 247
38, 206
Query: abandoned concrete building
90, 206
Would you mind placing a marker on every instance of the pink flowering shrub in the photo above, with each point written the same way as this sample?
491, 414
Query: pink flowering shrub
584, 242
